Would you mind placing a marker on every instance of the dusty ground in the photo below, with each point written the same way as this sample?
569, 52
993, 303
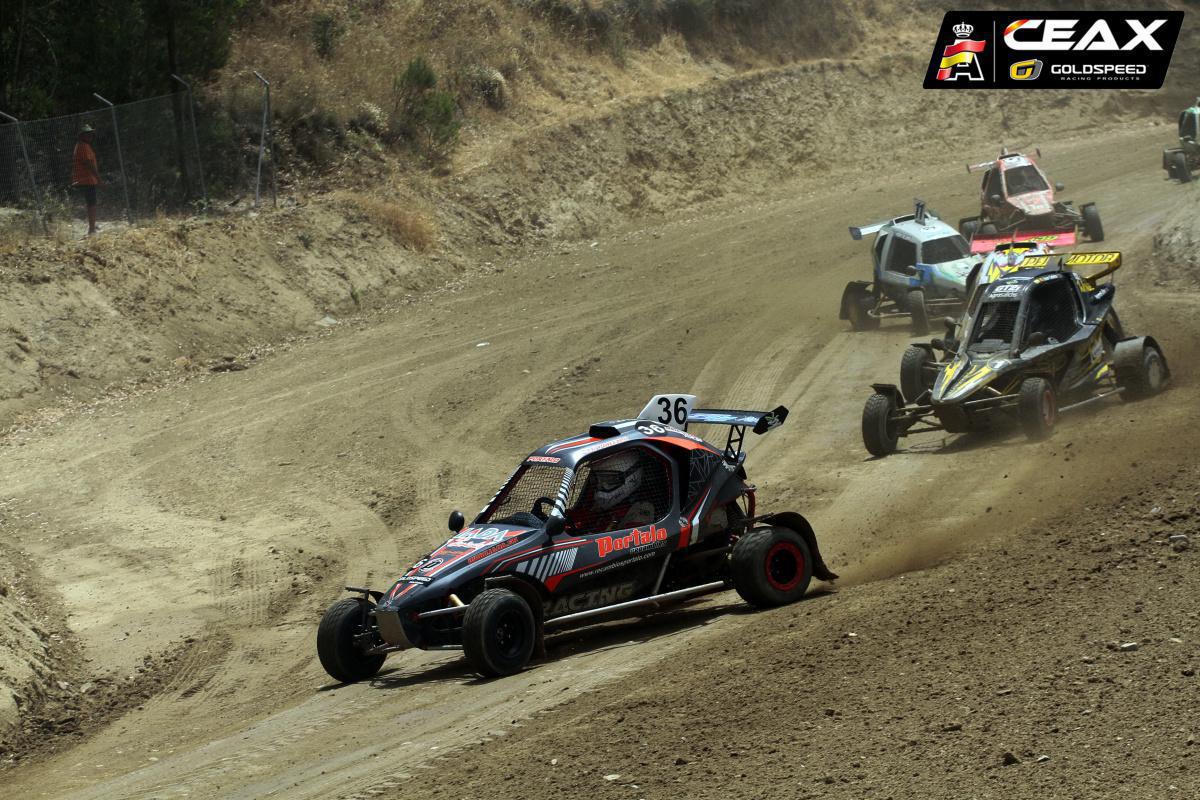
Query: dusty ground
191, 535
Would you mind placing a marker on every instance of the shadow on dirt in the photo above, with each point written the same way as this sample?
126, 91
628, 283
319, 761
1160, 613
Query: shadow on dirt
597, 638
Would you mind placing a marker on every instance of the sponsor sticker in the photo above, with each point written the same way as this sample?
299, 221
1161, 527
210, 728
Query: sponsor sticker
584, 601
630, 541
1053, 49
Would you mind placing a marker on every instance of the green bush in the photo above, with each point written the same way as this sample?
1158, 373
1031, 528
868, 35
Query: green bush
437, 118
417, 77
422, 115
326, 30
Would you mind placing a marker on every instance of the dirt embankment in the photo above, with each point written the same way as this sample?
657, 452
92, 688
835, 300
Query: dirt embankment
176, 296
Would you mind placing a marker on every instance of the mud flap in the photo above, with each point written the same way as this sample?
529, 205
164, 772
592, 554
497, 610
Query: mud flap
530, 594
797, 523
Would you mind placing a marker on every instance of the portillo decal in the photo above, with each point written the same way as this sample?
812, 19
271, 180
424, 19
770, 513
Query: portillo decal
1053, 50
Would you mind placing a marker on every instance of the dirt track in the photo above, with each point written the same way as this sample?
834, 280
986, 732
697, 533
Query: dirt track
230, 509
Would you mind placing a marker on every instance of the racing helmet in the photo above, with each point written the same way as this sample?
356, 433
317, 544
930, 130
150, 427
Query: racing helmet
615, 479
1013, 254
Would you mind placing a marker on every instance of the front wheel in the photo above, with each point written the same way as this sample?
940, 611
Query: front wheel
1091, 222
342, 640
771, 567
1037, 408
918, 371
499, 633
920, 314
880, 432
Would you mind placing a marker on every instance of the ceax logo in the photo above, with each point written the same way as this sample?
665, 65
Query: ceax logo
960, 60
610, 544
1025, 70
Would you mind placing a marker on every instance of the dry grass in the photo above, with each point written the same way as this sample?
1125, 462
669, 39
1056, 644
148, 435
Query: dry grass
408, 226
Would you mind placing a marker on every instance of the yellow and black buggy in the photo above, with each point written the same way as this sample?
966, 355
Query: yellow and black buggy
1037, 340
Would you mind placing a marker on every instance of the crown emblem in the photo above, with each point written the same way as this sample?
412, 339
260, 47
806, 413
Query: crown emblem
962, 30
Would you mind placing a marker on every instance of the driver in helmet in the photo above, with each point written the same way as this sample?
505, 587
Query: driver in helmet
611, 500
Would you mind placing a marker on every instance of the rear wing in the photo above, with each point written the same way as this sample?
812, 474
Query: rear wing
986, 244
758, 422
676, 410
857, 232
982, 165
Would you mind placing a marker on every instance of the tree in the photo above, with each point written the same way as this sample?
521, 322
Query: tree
55, 53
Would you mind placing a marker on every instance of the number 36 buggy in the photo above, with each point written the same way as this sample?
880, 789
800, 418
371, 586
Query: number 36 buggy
1036, 342
633, 515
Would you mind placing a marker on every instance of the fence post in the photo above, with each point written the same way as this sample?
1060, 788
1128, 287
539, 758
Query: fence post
195, 138
262, 144
37, 194
120, 156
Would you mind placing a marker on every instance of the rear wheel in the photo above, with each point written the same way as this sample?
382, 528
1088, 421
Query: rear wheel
969, 228
1180, 167
341, 642
917, 372
771, 567
1145, 377
1091, 223
989, 229
920, 315
1037, 408
859, 312
499, 633
880, 432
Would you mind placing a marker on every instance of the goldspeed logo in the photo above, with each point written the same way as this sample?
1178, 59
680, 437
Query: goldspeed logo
611, 544
1053, 50
1025, 70
961, 59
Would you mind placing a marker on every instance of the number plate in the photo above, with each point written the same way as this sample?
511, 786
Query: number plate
669, 409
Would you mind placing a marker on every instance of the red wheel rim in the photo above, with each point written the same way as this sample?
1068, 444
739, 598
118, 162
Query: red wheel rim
784, 566
1049, 412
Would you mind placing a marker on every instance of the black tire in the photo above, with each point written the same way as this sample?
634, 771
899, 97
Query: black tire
1037, 408
499, 633
1144, 379
880, 433
988, 229
859, 313
916, 373
337, 648
1182, 171
920, 314
771, 567
1091, 222
969, 228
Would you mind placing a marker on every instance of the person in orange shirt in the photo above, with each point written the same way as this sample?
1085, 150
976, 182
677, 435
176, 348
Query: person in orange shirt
86, 175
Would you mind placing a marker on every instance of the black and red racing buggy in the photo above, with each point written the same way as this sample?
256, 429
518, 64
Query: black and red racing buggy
634, 515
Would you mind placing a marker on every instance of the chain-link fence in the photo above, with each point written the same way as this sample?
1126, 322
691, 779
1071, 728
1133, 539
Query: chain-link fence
150, 158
